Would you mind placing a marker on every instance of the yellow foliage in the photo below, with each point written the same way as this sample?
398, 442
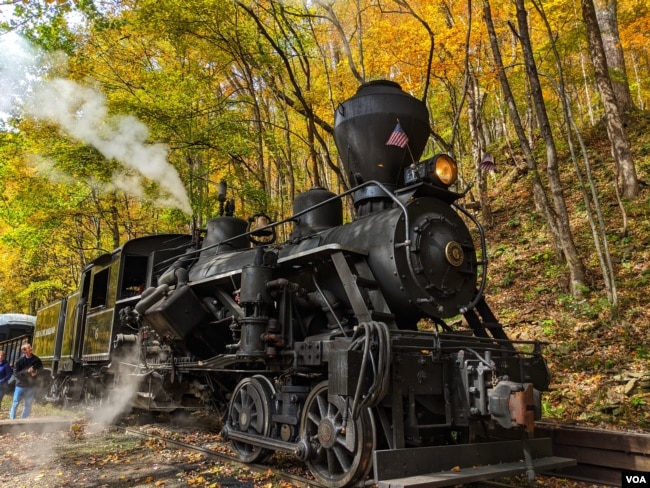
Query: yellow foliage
249, 96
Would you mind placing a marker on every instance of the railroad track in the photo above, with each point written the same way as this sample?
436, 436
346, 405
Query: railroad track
216, 455
601, 454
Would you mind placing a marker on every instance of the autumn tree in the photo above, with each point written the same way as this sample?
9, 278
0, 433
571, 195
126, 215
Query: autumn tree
245, 92
607, 15
626, 176
561, 215
585, 178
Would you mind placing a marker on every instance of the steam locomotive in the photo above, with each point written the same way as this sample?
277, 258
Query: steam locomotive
334, 346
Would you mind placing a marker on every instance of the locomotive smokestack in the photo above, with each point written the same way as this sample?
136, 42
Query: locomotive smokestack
379, 131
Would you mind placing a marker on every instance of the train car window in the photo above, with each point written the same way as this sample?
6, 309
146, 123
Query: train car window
85, 285
99, 289
134, 275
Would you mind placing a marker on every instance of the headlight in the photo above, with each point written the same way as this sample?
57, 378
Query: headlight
445, 169
440, 170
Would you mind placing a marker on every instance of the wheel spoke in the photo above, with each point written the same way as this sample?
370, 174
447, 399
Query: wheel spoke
254, 423
332, 465
323, 406
339, 459
343, 457
245, 398
252, 399
346, 444
314, 419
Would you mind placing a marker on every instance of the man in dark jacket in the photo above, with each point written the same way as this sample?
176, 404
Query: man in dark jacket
5, 374
26, 369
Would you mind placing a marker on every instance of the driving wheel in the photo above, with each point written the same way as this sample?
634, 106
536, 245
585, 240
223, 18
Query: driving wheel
250, 411
342, 455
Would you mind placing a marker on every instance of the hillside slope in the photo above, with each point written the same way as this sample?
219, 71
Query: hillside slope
599, 362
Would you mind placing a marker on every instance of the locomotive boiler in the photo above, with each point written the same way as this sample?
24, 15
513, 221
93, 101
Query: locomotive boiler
335, 346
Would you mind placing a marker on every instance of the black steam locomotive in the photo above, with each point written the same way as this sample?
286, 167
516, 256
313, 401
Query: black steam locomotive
333, 345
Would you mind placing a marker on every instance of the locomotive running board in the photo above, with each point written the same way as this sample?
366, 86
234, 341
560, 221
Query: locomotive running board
426, 467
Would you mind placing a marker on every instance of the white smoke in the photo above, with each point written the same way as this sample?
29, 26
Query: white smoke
122, 397
16, 67
81, 112
46, 168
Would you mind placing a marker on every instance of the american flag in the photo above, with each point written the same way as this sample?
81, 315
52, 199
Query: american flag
488, 164
398, 137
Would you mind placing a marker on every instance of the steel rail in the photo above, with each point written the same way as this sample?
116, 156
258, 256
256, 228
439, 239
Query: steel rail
602, 454
218, 456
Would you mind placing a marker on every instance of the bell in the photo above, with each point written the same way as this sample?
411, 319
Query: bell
259, 225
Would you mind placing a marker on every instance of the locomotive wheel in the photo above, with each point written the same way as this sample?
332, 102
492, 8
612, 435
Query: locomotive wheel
342, 456
250, 411
66, 395
91, 395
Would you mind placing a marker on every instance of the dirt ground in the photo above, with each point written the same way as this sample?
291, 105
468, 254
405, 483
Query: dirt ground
107, 458
95, 457
88, 455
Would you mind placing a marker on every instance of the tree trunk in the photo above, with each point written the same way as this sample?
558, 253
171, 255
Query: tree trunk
637, 79
474, 104
590, 109
114, 219
588, 187
607, 21
539, 195
576, 268
357, 71
626, 176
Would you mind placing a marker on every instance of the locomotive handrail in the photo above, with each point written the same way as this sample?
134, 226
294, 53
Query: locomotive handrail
406, 244
339, 196
484, 260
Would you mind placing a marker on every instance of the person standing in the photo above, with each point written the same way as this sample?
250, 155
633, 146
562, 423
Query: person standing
5, 374
26, 369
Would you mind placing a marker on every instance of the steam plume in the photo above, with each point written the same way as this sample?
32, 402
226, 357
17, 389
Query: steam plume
81, 112
120, 400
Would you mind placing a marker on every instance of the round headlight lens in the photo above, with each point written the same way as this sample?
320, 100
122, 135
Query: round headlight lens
446, 170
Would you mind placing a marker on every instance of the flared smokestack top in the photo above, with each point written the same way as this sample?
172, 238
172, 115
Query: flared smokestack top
365, 123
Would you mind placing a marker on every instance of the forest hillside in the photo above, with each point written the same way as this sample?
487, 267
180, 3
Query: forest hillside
599, 362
